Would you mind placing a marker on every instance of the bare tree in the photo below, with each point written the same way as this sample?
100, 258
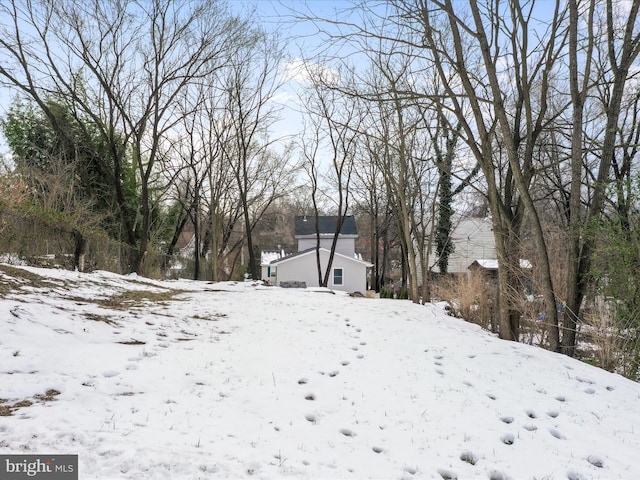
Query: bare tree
334, 119
122, 64
469, 61
620, 51
252, 81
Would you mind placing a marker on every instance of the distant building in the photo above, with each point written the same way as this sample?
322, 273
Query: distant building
474, 248
348, 270
472, 239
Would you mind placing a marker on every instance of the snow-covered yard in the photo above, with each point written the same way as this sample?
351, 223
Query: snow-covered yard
192, 380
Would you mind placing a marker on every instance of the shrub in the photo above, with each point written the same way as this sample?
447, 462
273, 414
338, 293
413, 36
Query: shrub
469, 297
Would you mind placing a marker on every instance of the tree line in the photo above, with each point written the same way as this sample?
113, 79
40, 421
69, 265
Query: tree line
531, 105
143, 118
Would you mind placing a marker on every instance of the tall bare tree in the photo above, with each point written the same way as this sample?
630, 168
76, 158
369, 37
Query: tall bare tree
334, 119
123, 64
252, 81
471, 48
619, 52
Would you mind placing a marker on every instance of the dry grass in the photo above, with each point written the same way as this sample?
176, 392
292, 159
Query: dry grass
132, 342
608, 341
99, 318
137, 298
6, 409
13, 279
48, 396
469, 297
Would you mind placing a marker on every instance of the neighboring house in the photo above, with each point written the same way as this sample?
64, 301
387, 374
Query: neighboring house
475, 248
348, 270
472, 239
266, 257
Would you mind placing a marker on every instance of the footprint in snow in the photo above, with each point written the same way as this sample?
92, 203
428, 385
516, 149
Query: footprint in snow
344, 363
508, 438
585, 380
333, 373
310, 396
377, 449
411, 470
469, 457
573, 475
556, 433
447, 474
596, 460
311, 418
347, 432
507, 420
497, 475
303, 381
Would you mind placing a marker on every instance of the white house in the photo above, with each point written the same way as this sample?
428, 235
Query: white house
348, 270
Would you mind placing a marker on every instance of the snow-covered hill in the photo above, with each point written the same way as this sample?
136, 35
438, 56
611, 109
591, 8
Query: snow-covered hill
191, 380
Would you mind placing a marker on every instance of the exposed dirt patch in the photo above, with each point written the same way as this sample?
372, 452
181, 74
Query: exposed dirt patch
7, 409
138, 298
100, 318
48, 396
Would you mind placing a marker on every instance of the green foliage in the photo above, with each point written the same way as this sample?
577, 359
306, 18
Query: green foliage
400, 294
444, 162
66, 161
386, 293
28, 135
615, 274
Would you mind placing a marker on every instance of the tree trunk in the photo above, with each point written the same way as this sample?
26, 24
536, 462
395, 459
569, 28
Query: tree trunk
80, 250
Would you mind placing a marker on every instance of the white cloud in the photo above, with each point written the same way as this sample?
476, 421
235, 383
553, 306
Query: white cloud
300, 71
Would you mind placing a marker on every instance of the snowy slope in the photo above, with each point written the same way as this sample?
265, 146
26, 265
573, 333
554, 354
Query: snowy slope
232, 380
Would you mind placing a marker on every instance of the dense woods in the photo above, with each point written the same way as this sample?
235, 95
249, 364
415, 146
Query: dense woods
143, 137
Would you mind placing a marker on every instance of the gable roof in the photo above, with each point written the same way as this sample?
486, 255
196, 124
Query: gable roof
466, 228
327, 224
312, 251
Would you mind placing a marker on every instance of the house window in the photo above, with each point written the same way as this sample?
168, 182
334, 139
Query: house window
271, 272
338, 276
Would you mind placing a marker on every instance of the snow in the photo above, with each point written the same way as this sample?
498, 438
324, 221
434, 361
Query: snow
239, 380
492, 263
267, 257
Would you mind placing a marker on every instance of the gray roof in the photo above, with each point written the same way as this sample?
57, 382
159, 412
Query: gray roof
327, 224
